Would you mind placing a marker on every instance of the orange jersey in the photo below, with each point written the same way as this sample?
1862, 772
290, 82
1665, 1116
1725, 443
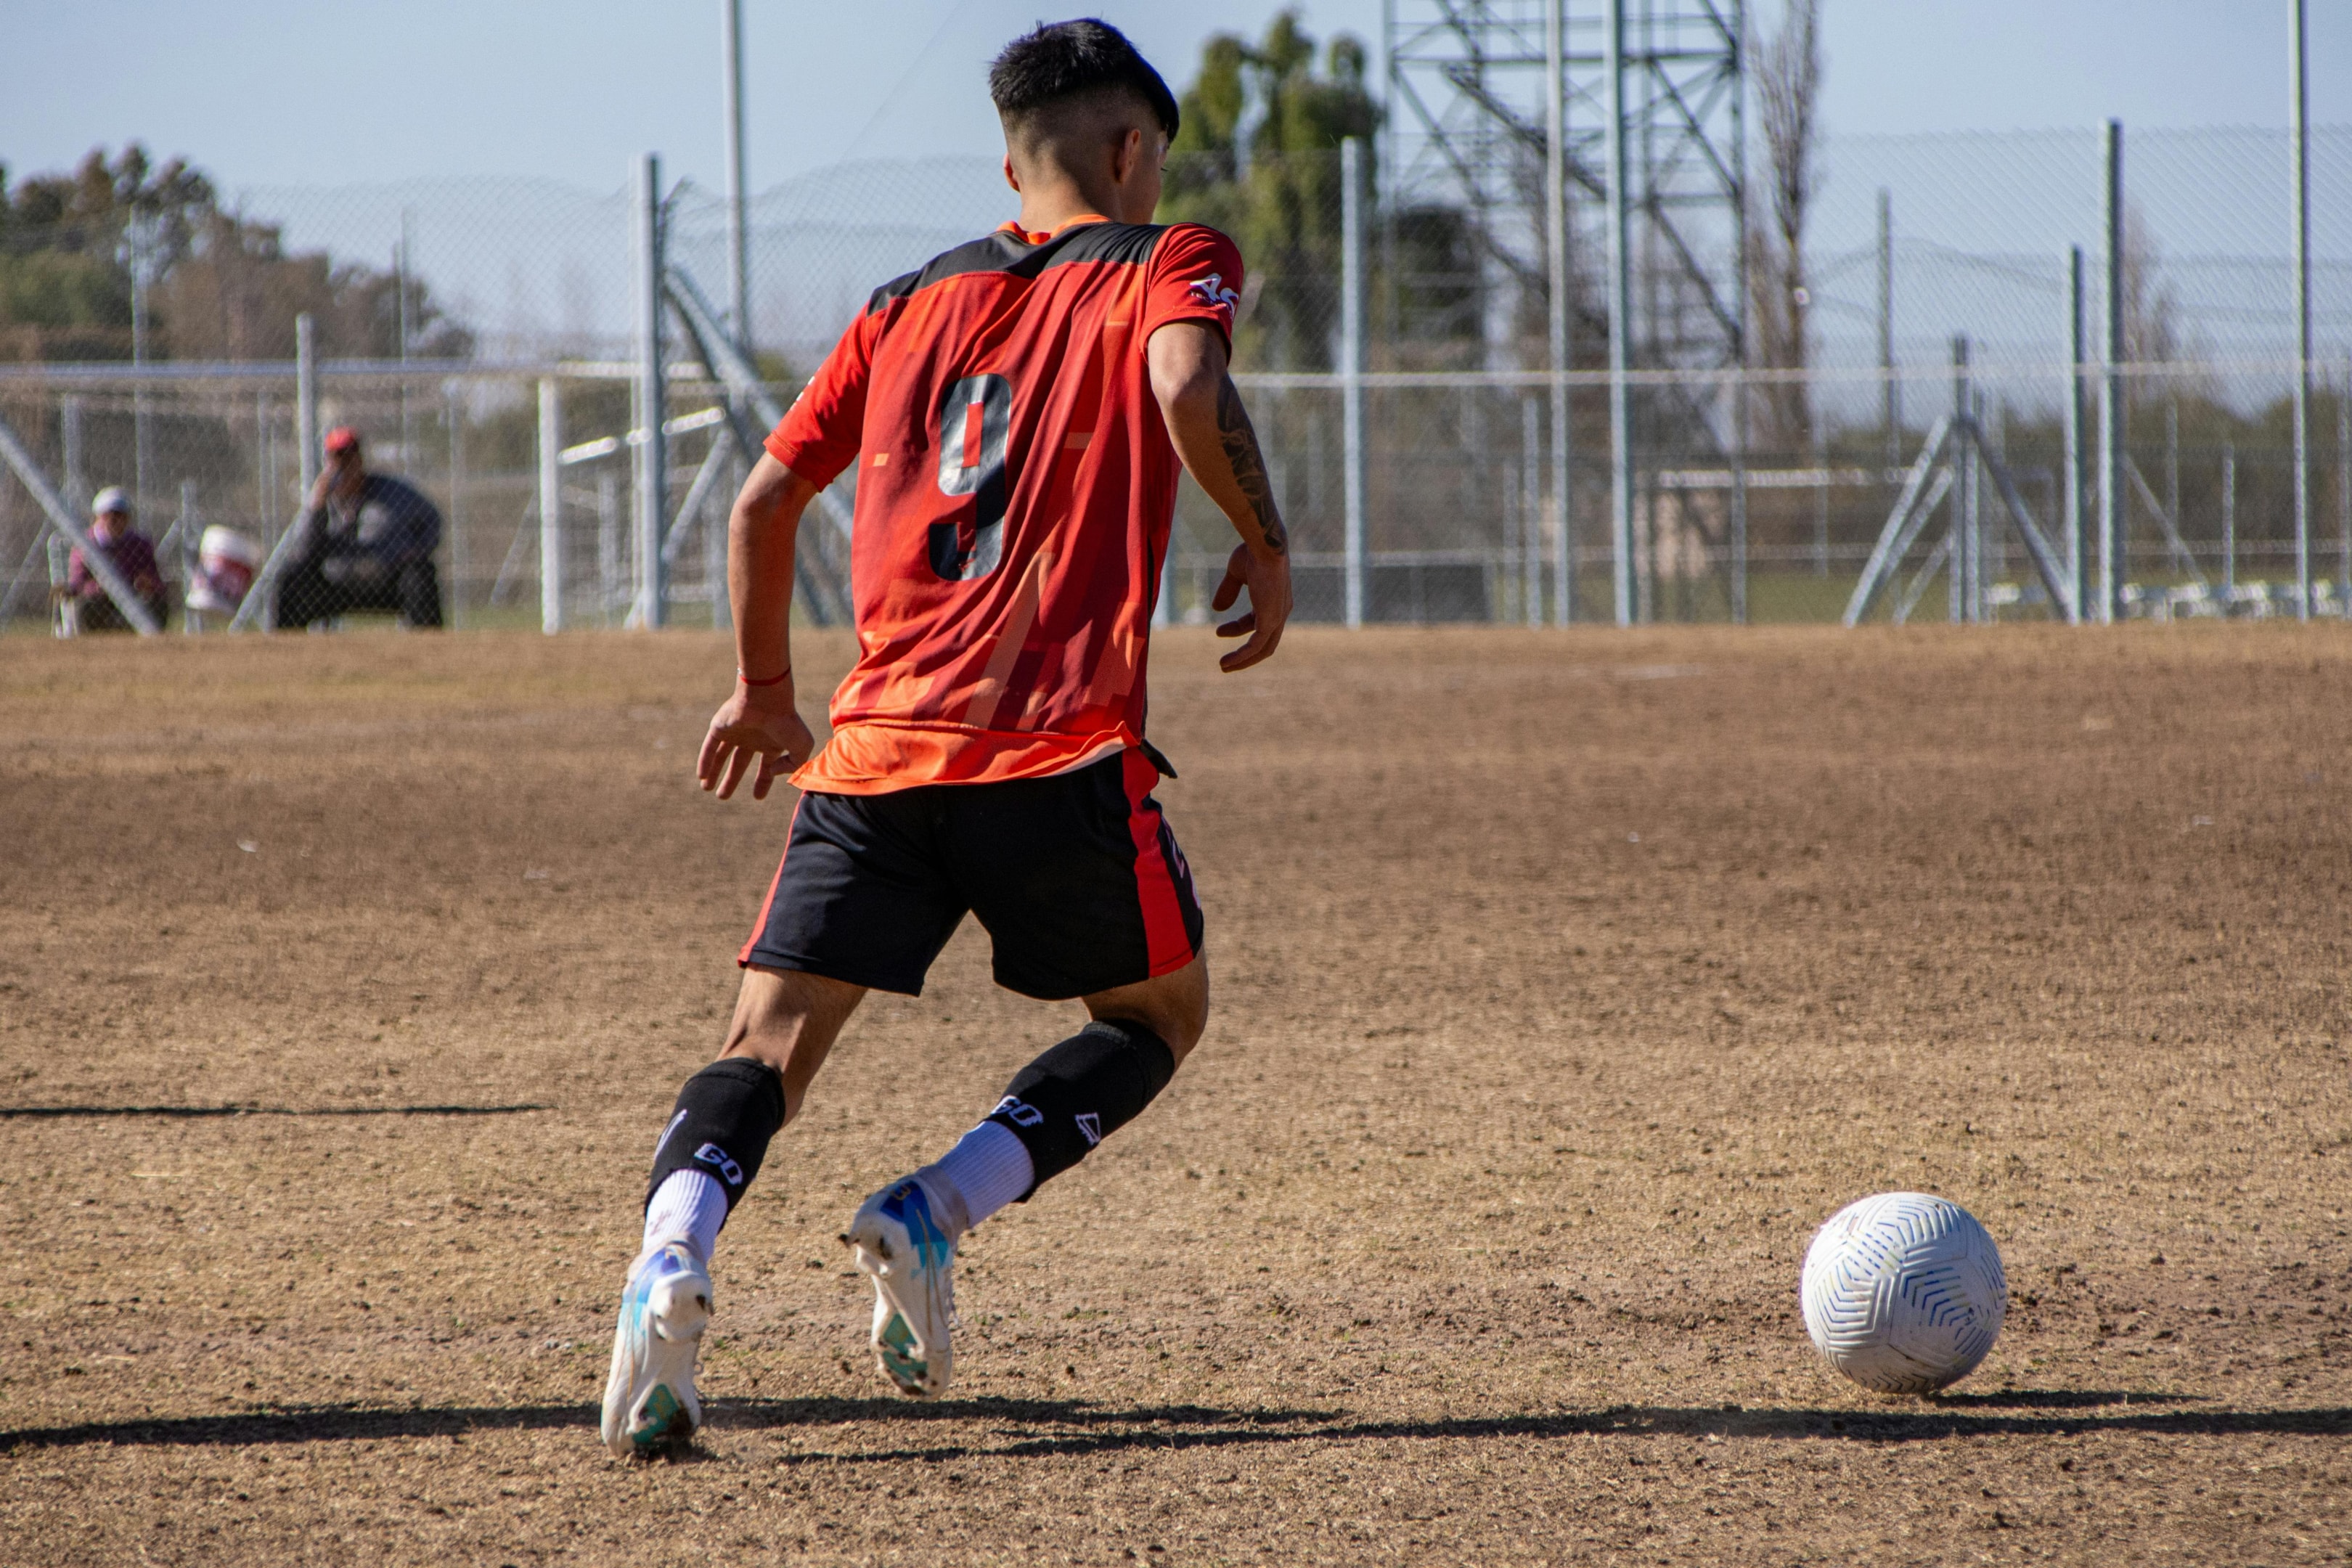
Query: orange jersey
1015, 484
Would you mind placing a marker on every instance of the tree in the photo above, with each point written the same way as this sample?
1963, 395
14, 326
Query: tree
1256, 157
1788, 75
221, 286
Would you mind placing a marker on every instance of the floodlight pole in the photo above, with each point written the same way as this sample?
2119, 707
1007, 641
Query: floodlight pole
2113, 561
2299, 138
550, 507
1351, 364
1620, 333
1556, 259
649, 461
739, 260
1739, 521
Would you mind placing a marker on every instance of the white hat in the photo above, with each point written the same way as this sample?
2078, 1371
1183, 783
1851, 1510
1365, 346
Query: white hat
110, 499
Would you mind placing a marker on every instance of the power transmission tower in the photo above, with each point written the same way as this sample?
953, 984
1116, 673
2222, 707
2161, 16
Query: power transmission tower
1652, 92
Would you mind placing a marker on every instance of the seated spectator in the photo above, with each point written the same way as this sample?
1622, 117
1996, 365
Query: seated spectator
132, 556
364, 543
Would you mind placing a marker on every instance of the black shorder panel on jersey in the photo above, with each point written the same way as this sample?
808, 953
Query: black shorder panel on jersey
1131, 242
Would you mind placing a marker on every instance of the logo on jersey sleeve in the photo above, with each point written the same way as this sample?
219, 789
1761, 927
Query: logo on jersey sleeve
1211, 291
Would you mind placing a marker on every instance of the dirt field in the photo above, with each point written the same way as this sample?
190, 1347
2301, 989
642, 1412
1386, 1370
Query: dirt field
1564, 983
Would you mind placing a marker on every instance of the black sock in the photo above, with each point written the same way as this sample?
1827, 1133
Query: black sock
1081, 1091
725, 1116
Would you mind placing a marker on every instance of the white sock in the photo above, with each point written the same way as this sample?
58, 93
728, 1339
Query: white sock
988, 1168
688, 1206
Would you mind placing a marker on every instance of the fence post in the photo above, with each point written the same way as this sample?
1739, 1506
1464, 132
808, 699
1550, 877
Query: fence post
1351, 364
2114, 541
1891, 396
187, 525
306, 450
77, 480
1531, 497
652, 469
2078, 551
1959, 570
550, 507
1621, 339
2228, 524
2298, 110
2343, 486
455, 413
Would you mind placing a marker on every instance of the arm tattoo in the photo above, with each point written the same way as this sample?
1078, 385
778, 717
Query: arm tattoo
1240, 442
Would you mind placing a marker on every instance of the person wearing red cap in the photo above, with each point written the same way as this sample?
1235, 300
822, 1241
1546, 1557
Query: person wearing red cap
364, 543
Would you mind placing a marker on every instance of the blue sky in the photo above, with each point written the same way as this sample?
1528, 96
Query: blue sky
271, 92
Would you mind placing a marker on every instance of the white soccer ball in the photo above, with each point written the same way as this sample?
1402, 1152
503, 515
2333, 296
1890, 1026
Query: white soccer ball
1904, 1293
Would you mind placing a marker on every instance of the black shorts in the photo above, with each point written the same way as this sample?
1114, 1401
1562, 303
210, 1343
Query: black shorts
1077, 877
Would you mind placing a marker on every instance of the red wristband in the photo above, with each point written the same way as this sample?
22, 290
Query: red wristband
772, 680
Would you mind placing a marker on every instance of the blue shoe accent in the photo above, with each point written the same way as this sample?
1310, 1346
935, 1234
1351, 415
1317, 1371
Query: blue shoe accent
910, 1207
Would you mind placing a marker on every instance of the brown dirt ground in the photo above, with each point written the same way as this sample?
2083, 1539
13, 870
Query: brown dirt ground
1565, 983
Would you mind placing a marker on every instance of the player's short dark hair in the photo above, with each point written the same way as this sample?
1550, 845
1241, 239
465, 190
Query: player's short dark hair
1062, 60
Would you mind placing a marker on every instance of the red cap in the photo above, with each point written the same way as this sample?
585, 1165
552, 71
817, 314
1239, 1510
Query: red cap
342, 438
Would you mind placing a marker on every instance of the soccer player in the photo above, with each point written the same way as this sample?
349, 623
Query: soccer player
1016, 410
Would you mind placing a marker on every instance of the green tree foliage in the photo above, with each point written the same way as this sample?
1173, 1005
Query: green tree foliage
221, 286
1258, 157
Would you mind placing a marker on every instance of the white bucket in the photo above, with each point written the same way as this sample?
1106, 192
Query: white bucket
225, 563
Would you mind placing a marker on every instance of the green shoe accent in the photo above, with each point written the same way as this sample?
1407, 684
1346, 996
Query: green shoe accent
665, 1416
897, 1345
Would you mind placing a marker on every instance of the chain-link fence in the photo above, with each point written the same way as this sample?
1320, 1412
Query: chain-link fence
1765, 494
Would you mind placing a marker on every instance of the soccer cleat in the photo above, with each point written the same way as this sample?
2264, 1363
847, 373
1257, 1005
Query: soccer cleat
650, 1401
897, 1241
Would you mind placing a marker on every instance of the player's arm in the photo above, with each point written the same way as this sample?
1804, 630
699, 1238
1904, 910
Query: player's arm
1212, 433
759, 719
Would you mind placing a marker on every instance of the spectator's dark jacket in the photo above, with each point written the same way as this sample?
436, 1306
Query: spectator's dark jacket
394, 522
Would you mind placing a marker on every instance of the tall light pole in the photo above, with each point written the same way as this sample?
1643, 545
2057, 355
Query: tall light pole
738, 261
1556, 259
2299, 136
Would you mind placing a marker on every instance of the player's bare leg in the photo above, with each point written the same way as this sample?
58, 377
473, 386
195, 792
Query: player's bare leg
1055, 1109
784, 1024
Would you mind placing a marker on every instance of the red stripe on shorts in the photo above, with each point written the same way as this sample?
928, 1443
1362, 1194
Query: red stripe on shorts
1155, 886
760, 926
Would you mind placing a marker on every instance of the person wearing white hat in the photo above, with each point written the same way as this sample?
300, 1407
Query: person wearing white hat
132, 556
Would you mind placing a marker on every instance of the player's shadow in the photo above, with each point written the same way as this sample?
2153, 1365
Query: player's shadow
181, 1112
1044, 1427
1013, 1429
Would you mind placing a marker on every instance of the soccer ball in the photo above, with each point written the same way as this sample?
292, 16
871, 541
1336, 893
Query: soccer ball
1904, 1293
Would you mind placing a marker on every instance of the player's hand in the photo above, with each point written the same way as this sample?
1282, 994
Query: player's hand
756, 724
1267, 578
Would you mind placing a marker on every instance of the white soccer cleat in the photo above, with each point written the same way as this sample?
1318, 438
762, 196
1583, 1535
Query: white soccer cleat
650, 1404
898, 1241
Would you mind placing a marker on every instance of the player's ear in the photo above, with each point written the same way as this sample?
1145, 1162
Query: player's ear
1125, 155
1009, 177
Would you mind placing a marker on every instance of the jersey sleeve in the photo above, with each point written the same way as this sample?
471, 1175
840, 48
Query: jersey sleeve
819, 434
1196, 275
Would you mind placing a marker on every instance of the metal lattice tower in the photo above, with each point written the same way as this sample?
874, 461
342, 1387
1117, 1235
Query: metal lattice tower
1653, 260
